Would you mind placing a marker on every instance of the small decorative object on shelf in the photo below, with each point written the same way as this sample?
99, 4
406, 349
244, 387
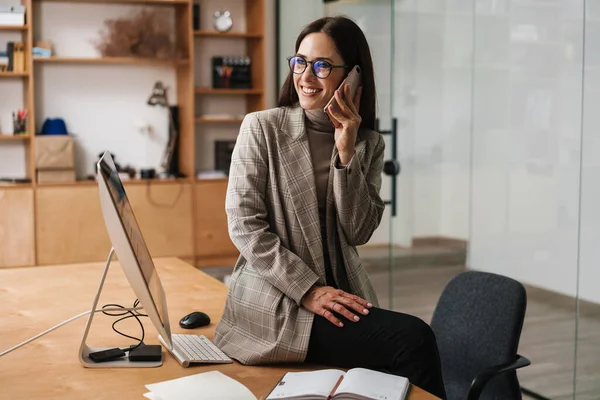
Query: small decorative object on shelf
223, 151
231, 72
43, 48
147, 34
158, 97
20, 122
223, 21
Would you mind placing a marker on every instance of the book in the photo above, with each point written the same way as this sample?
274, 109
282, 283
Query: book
210, 385
356, 384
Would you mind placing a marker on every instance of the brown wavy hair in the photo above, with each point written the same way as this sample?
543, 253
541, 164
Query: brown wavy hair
352, 45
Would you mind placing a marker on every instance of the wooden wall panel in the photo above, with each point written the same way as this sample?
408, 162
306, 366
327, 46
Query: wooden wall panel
212, 237
17, 233
164, 212
71, 228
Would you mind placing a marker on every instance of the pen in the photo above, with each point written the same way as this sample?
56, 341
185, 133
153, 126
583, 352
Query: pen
335, 387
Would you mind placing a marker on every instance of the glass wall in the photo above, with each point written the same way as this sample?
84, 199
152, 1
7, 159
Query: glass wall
497, 103
587, 364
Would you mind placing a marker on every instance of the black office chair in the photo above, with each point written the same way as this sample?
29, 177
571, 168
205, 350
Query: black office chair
477, 323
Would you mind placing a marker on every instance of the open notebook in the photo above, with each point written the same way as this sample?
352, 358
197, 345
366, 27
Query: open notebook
356, 384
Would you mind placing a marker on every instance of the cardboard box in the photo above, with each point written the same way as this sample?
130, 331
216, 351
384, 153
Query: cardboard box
54, 152
56, 175
12, 15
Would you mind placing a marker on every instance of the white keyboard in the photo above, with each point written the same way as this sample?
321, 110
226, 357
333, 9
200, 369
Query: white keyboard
188, 349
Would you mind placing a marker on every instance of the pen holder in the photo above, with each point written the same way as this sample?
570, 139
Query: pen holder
19, 125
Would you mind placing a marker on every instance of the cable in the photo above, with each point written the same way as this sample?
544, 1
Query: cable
58, 326
135, 315
158, 205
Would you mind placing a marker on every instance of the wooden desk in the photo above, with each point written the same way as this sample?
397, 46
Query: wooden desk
34, 299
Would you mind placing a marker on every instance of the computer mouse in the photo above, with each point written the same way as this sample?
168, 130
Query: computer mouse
193, 320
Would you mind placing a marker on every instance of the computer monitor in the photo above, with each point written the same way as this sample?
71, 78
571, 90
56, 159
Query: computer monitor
130, 247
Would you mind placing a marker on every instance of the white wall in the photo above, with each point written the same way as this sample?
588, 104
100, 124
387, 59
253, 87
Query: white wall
12, 154
526, 147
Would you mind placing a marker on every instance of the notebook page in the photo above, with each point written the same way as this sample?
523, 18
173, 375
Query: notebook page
374, 385
203, 386
305, 384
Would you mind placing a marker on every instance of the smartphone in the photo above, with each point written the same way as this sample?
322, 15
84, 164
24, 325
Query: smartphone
354, 80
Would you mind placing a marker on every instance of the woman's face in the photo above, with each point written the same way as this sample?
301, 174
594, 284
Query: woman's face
315, 92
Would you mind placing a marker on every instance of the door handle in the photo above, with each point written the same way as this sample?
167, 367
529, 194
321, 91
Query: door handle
392, 167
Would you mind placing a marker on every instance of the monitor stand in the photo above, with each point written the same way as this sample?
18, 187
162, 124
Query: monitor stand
85, 350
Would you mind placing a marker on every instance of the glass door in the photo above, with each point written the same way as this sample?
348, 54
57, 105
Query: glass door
374, 17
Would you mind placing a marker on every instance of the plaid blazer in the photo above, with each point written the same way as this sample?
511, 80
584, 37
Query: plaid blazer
273, 221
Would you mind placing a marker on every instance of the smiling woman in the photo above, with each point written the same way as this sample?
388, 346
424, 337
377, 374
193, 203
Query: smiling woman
331, 55
303, 193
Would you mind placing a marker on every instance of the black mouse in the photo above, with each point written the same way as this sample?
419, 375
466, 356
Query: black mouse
196, 319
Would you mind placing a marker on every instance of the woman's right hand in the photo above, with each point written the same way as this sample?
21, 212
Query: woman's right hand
322, 300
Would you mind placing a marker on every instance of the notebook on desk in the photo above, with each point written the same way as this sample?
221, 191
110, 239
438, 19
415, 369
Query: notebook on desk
356, 384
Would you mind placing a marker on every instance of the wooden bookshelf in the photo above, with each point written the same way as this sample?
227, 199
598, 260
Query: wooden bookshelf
108, 60
13, 28
212, 243
230, 35
182, 217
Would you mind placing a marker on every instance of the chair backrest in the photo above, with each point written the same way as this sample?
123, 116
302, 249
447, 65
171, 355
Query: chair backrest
477, 323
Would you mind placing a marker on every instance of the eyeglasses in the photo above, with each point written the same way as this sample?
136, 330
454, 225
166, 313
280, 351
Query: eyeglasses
320, 68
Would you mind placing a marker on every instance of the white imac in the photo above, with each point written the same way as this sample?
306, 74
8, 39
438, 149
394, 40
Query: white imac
135, 260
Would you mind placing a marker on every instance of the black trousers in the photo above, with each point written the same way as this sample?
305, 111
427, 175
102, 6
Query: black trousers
383, 340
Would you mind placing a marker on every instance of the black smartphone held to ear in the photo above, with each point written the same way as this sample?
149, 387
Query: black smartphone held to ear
354, 80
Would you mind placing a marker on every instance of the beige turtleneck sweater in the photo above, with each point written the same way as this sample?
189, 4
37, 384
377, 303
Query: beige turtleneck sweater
321, 141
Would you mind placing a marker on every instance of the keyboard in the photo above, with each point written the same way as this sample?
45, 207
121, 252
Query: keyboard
195, 349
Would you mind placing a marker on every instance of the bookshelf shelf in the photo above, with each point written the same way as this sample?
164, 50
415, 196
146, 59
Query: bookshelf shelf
13, 138
213, 120
160, 2
13, 27
4, 74
126, 182
230, 35
109, 60
9, 185
255, 92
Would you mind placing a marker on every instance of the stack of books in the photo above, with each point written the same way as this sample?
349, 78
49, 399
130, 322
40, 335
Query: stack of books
13, 59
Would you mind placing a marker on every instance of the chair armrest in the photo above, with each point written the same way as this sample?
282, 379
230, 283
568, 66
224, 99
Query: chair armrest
486, 375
